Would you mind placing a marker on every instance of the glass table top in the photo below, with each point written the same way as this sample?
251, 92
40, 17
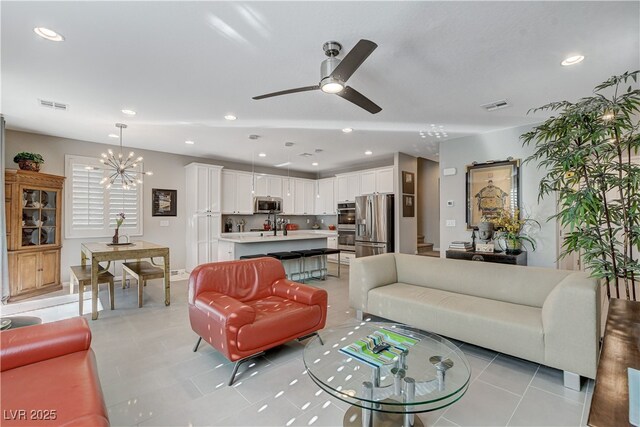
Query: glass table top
387, 367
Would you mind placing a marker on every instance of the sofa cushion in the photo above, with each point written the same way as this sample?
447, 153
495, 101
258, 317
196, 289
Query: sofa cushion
277, 317
509, 283
69, 384
510, 328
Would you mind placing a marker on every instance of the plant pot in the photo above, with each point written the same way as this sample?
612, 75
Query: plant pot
29, 165
513, 246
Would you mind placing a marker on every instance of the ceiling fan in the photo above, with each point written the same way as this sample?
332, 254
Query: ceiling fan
334, 73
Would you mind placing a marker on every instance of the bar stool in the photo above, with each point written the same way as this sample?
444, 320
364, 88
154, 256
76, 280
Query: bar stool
287, 256
310, 253
81, 274
253, 256
330, 251
142, 271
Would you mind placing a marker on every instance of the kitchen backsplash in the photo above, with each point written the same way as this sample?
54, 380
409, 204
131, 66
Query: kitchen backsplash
257, 221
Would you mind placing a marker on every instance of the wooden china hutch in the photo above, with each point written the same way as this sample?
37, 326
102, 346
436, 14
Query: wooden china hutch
33, 207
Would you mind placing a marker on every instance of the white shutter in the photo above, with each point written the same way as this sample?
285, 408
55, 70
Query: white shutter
87, 194
91, 209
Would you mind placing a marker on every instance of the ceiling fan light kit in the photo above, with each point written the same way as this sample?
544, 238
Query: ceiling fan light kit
335, 72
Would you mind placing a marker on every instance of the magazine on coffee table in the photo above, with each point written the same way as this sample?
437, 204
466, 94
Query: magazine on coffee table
388, 346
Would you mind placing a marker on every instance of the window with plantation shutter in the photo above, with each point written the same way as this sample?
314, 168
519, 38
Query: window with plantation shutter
91, 209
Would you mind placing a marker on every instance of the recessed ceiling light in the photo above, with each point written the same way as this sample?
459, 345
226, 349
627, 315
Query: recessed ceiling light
230, 117
189, 142
262, 155
129, 112
113, 135
572, 60
282, 164
347, 130
314, 164
368, 153
48, 34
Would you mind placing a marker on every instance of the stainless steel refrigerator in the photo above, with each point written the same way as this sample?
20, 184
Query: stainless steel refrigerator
374, 224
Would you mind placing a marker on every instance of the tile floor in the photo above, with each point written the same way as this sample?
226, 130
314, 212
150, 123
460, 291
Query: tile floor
151, 376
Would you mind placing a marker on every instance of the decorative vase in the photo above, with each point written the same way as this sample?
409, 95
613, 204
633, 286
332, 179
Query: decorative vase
514, 246
114, 240
29, 165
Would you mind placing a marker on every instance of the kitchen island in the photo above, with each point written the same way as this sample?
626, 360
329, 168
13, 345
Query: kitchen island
234, 245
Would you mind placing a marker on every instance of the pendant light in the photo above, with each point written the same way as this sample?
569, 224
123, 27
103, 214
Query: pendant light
122, 170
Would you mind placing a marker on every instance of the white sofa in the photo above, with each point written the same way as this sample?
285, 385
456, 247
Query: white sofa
544, 315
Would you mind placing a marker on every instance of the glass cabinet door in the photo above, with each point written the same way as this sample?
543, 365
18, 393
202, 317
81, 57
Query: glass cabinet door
39, 217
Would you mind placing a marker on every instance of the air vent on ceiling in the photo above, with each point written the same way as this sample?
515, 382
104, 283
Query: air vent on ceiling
496, 105
53, 104
306, 154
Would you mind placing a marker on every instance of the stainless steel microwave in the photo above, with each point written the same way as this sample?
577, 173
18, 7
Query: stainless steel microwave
267, 204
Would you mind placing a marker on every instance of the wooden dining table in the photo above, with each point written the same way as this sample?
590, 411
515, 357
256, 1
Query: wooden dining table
97, 252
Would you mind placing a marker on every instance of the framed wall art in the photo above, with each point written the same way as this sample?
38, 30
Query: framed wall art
164, 202
408, 182
408, 206
492, 187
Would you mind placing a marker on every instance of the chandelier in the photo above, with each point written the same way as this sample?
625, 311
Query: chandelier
122, 170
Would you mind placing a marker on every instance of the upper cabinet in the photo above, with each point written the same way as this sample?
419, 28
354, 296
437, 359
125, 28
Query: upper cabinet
384, 180
268, 185
369, 181
348, 187
288, 199
304, 196
203, 182
237, 197
326, 197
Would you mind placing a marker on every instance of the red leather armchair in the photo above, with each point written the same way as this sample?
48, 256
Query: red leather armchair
48, 376
243, 308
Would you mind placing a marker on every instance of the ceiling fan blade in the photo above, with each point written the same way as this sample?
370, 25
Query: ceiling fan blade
353, 60
288, 91
352, 95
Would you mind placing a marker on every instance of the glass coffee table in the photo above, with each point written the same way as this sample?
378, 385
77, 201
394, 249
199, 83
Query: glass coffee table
387, 372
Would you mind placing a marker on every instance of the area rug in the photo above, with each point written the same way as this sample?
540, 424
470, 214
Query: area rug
50, 309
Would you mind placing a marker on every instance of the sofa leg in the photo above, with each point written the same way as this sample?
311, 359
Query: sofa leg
240, 362
572, 381
311, 335
197, 344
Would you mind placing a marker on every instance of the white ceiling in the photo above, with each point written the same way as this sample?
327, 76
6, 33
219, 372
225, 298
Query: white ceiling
183, 66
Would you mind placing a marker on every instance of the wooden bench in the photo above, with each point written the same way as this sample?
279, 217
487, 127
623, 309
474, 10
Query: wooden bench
142, 271
82, 276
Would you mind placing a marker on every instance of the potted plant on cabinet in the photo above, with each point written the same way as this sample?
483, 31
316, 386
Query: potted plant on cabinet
588, 149
28, 161
512, 230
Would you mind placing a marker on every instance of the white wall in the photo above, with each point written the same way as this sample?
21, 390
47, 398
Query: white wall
428, 201
168, 173
406, 228
495, 146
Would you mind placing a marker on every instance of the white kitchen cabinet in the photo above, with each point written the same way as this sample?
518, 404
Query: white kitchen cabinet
326, 200
204, 188
203, 203
288, 198
268, 185
384, 180
348, 187
226, 251
368, 182
203, 231
332, 242
236, 192
310, 197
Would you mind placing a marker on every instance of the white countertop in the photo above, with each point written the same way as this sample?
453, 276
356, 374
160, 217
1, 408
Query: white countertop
255, 237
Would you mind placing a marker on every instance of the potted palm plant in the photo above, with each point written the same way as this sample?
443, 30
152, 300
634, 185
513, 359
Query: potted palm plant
28, 161
589, 150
